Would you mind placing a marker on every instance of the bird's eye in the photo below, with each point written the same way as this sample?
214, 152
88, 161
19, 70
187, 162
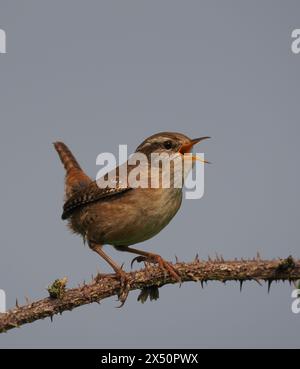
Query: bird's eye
168, 145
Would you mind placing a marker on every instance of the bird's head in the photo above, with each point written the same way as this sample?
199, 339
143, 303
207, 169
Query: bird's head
172, 143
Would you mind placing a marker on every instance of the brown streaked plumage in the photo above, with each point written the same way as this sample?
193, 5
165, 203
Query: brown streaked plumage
121, 216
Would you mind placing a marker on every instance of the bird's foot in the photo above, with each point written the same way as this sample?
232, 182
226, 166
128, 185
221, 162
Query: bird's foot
121, 276
163, 264
125, 286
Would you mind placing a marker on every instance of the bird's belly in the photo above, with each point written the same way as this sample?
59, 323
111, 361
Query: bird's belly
134, 217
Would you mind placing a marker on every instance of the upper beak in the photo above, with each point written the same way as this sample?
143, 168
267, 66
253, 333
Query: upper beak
188, 147
194, 141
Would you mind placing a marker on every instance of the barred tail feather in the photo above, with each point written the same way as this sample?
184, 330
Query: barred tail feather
66, 157
75, 176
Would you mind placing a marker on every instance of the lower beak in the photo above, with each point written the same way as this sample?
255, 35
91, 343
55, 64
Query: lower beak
188, 147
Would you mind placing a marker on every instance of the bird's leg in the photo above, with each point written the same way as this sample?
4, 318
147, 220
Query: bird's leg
152, 258
120, 274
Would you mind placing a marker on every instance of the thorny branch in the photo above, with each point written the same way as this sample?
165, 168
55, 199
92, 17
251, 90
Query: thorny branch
148, 280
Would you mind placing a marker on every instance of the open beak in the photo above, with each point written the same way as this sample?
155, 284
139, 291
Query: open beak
185, 149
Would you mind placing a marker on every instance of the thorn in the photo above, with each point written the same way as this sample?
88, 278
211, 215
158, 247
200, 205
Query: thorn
241, 285
27, 300
196, 258
51, 318
222, 259
258, 256
17, 304
269, 285
202, 283
176, 259
257, 281
209, 258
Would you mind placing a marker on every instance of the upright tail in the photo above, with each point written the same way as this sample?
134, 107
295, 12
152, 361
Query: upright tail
75, 176
66, 157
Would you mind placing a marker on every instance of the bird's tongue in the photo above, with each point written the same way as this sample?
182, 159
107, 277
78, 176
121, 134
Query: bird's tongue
186, 149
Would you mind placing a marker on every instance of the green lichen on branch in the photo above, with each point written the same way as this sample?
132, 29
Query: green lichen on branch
58, 288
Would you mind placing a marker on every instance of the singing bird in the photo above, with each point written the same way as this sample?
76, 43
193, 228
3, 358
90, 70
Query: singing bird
123, 216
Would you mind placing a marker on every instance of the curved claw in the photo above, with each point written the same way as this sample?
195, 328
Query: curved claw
167, 267
124, 282
173, 272
138, 259
163, 264
125, 287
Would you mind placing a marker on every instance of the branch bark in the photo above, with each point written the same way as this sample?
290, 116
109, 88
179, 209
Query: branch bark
148, 280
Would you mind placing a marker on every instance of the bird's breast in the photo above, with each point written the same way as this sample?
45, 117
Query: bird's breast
132, 217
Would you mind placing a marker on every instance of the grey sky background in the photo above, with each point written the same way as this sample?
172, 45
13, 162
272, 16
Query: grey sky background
96, 74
